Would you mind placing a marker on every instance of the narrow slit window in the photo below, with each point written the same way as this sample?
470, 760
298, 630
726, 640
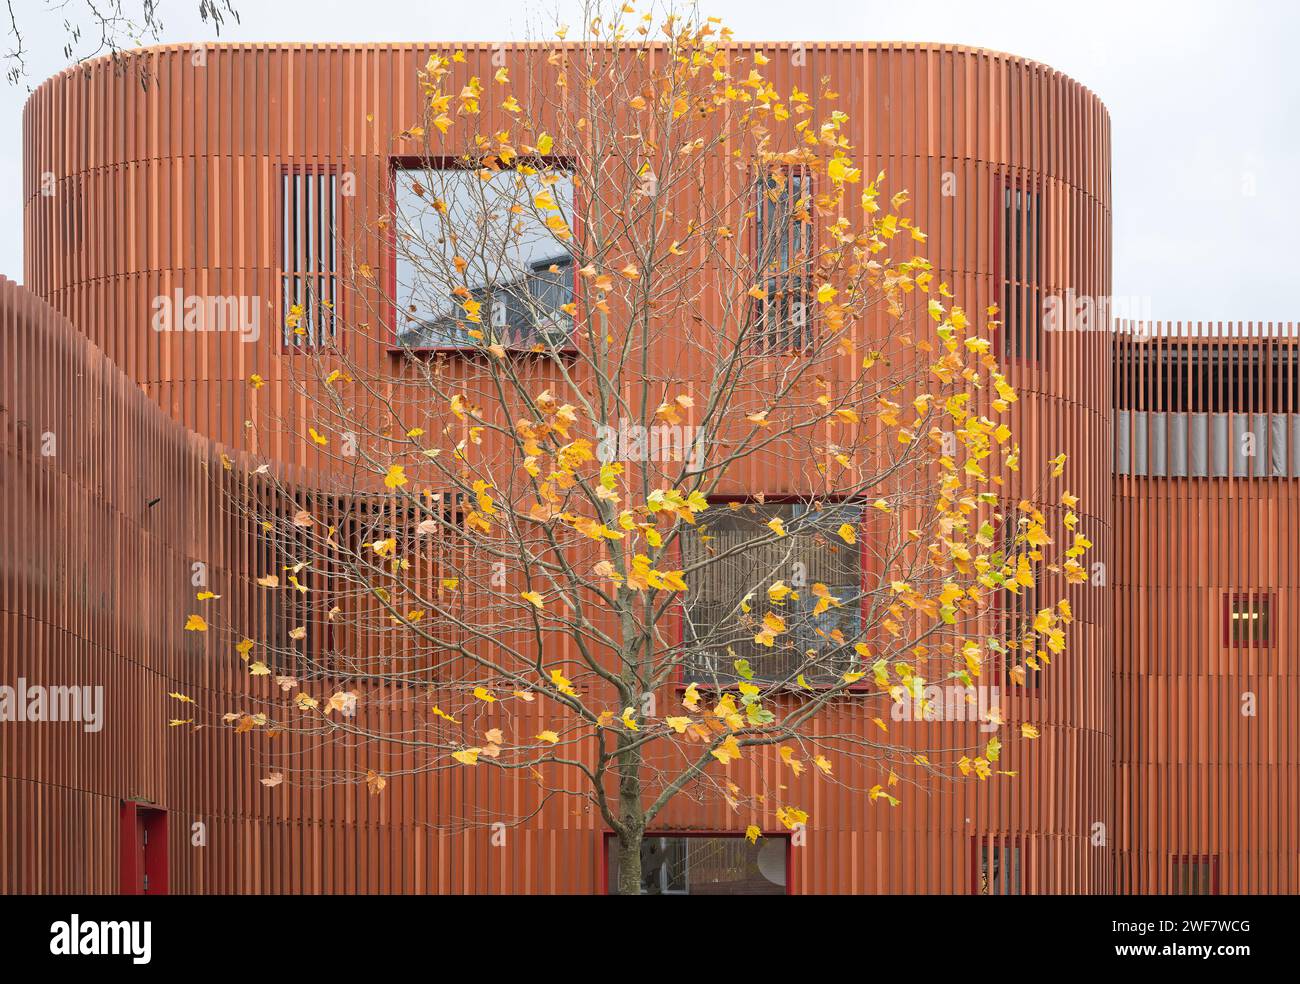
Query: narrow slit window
1020, 666
308, 257
1021, 268
782, 321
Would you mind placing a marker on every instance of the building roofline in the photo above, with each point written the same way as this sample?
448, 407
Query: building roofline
174, 47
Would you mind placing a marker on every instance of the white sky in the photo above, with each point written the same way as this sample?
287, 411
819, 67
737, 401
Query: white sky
1203, 97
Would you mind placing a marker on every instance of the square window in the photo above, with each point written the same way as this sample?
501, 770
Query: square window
728, 865
997, 868
1194, 875
487, 234
308, 256
1246, 620
740, 560
349, 633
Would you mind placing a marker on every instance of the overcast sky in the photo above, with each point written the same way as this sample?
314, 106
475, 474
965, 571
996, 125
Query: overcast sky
1203, 98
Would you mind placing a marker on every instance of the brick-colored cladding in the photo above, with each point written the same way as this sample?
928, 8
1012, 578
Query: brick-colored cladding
1207, 751
175, 185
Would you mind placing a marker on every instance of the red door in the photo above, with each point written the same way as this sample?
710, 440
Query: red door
144, 850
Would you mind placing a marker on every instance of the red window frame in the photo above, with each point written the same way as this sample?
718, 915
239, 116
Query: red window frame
863, 531
999, 841
414, 162
1231, 601
602, 849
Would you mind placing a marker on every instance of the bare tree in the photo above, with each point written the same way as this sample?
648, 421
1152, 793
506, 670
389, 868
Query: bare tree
96, 27
633, 282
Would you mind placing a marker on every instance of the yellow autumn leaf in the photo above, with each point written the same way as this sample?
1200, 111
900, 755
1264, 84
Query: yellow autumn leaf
691, 698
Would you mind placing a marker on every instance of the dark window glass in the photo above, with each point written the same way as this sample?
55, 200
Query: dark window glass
1193, 876
1022, 260
707, 865
999, 869
1181, 375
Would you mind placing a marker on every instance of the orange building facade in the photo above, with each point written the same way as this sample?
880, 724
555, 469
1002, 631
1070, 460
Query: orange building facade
1168, 757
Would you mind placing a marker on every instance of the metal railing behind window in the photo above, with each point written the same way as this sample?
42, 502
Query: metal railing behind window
743, 562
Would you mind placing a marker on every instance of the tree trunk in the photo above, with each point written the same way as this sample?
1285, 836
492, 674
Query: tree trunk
632, 814
629, 864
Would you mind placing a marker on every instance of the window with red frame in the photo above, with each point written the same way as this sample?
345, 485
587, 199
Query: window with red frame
782, 241
1021, 262
721, 865
810, 578
308, 256
1194, 875
1246, 620
486, 233
997, 869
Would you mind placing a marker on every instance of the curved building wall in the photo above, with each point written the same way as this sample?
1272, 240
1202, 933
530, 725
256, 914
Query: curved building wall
175, 185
